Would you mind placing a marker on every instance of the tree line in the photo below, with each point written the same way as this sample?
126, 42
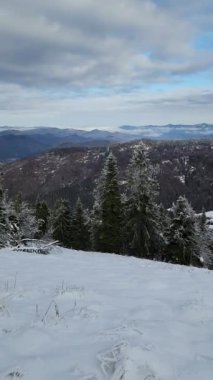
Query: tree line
127, 223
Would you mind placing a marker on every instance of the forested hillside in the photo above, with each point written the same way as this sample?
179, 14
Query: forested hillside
181, 168
126, 217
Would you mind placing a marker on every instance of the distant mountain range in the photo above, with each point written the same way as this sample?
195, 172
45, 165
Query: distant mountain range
171, 131
18, 143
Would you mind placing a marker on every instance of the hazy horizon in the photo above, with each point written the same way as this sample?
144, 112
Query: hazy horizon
152, 130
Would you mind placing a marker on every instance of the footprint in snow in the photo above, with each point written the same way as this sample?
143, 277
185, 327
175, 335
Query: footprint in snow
15, 374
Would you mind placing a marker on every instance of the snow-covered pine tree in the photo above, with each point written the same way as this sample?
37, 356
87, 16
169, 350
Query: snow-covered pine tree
95, 224
205, 241
164, 223
80, 228
142, 213
14, 209
17, 221
3, 220
22, 219
61, 225
210, 241
42, 216
183, 235
107, 212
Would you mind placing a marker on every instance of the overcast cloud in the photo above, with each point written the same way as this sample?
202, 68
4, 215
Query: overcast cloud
94, 63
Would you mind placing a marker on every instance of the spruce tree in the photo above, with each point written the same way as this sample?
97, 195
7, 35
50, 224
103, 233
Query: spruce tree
17, 221
164, 223
95, 227
3, 220
107, 213
2, 208
42, 216
61, 228
22, 220
205, 241
80, 229
183, 238
17, 203
142, 225
8, 222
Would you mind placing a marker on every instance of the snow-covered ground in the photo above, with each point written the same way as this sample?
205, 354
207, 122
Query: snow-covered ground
89, 316
209, 215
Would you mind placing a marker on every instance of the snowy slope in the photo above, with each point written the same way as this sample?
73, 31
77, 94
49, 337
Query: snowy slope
89, 316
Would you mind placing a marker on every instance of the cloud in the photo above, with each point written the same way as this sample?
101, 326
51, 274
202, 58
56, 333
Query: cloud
58, 53
189, 105
91, 42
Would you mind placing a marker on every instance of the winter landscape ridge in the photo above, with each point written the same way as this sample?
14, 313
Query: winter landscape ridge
76, 315
20, 142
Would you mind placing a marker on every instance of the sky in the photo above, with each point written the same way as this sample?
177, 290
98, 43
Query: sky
101, 64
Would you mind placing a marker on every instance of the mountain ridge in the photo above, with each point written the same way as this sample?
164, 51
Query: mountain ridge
180, 166
21, 143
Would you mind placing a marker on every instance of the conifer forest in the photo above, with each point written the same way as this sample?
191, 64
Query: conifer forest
124, 223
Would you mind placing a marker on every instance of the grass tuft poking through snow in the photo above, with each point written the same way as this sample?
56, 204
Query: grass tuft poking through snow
91, 316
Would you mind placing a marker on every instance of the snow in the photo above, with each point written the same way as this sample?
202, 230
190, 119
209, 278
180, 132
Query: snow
209, 214
91, 316
182, 178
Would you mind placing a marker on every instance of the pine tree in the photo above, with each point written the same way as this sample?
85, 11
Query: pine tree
22, 221
15, 211
17, 221
6, 221
3, 220
61, 228
80, 229
210, 246
18, 203
205, 241
107, 212
164, 223
2, 207
95, 226
183, 237
142, 212
42, 216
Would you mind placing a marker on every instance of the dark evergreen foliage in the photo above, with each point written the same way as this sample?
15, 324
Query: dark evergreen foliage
42, 217
2, 209
205, 241
17, 203
108, 220
61, 227
80, 228
3, 220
